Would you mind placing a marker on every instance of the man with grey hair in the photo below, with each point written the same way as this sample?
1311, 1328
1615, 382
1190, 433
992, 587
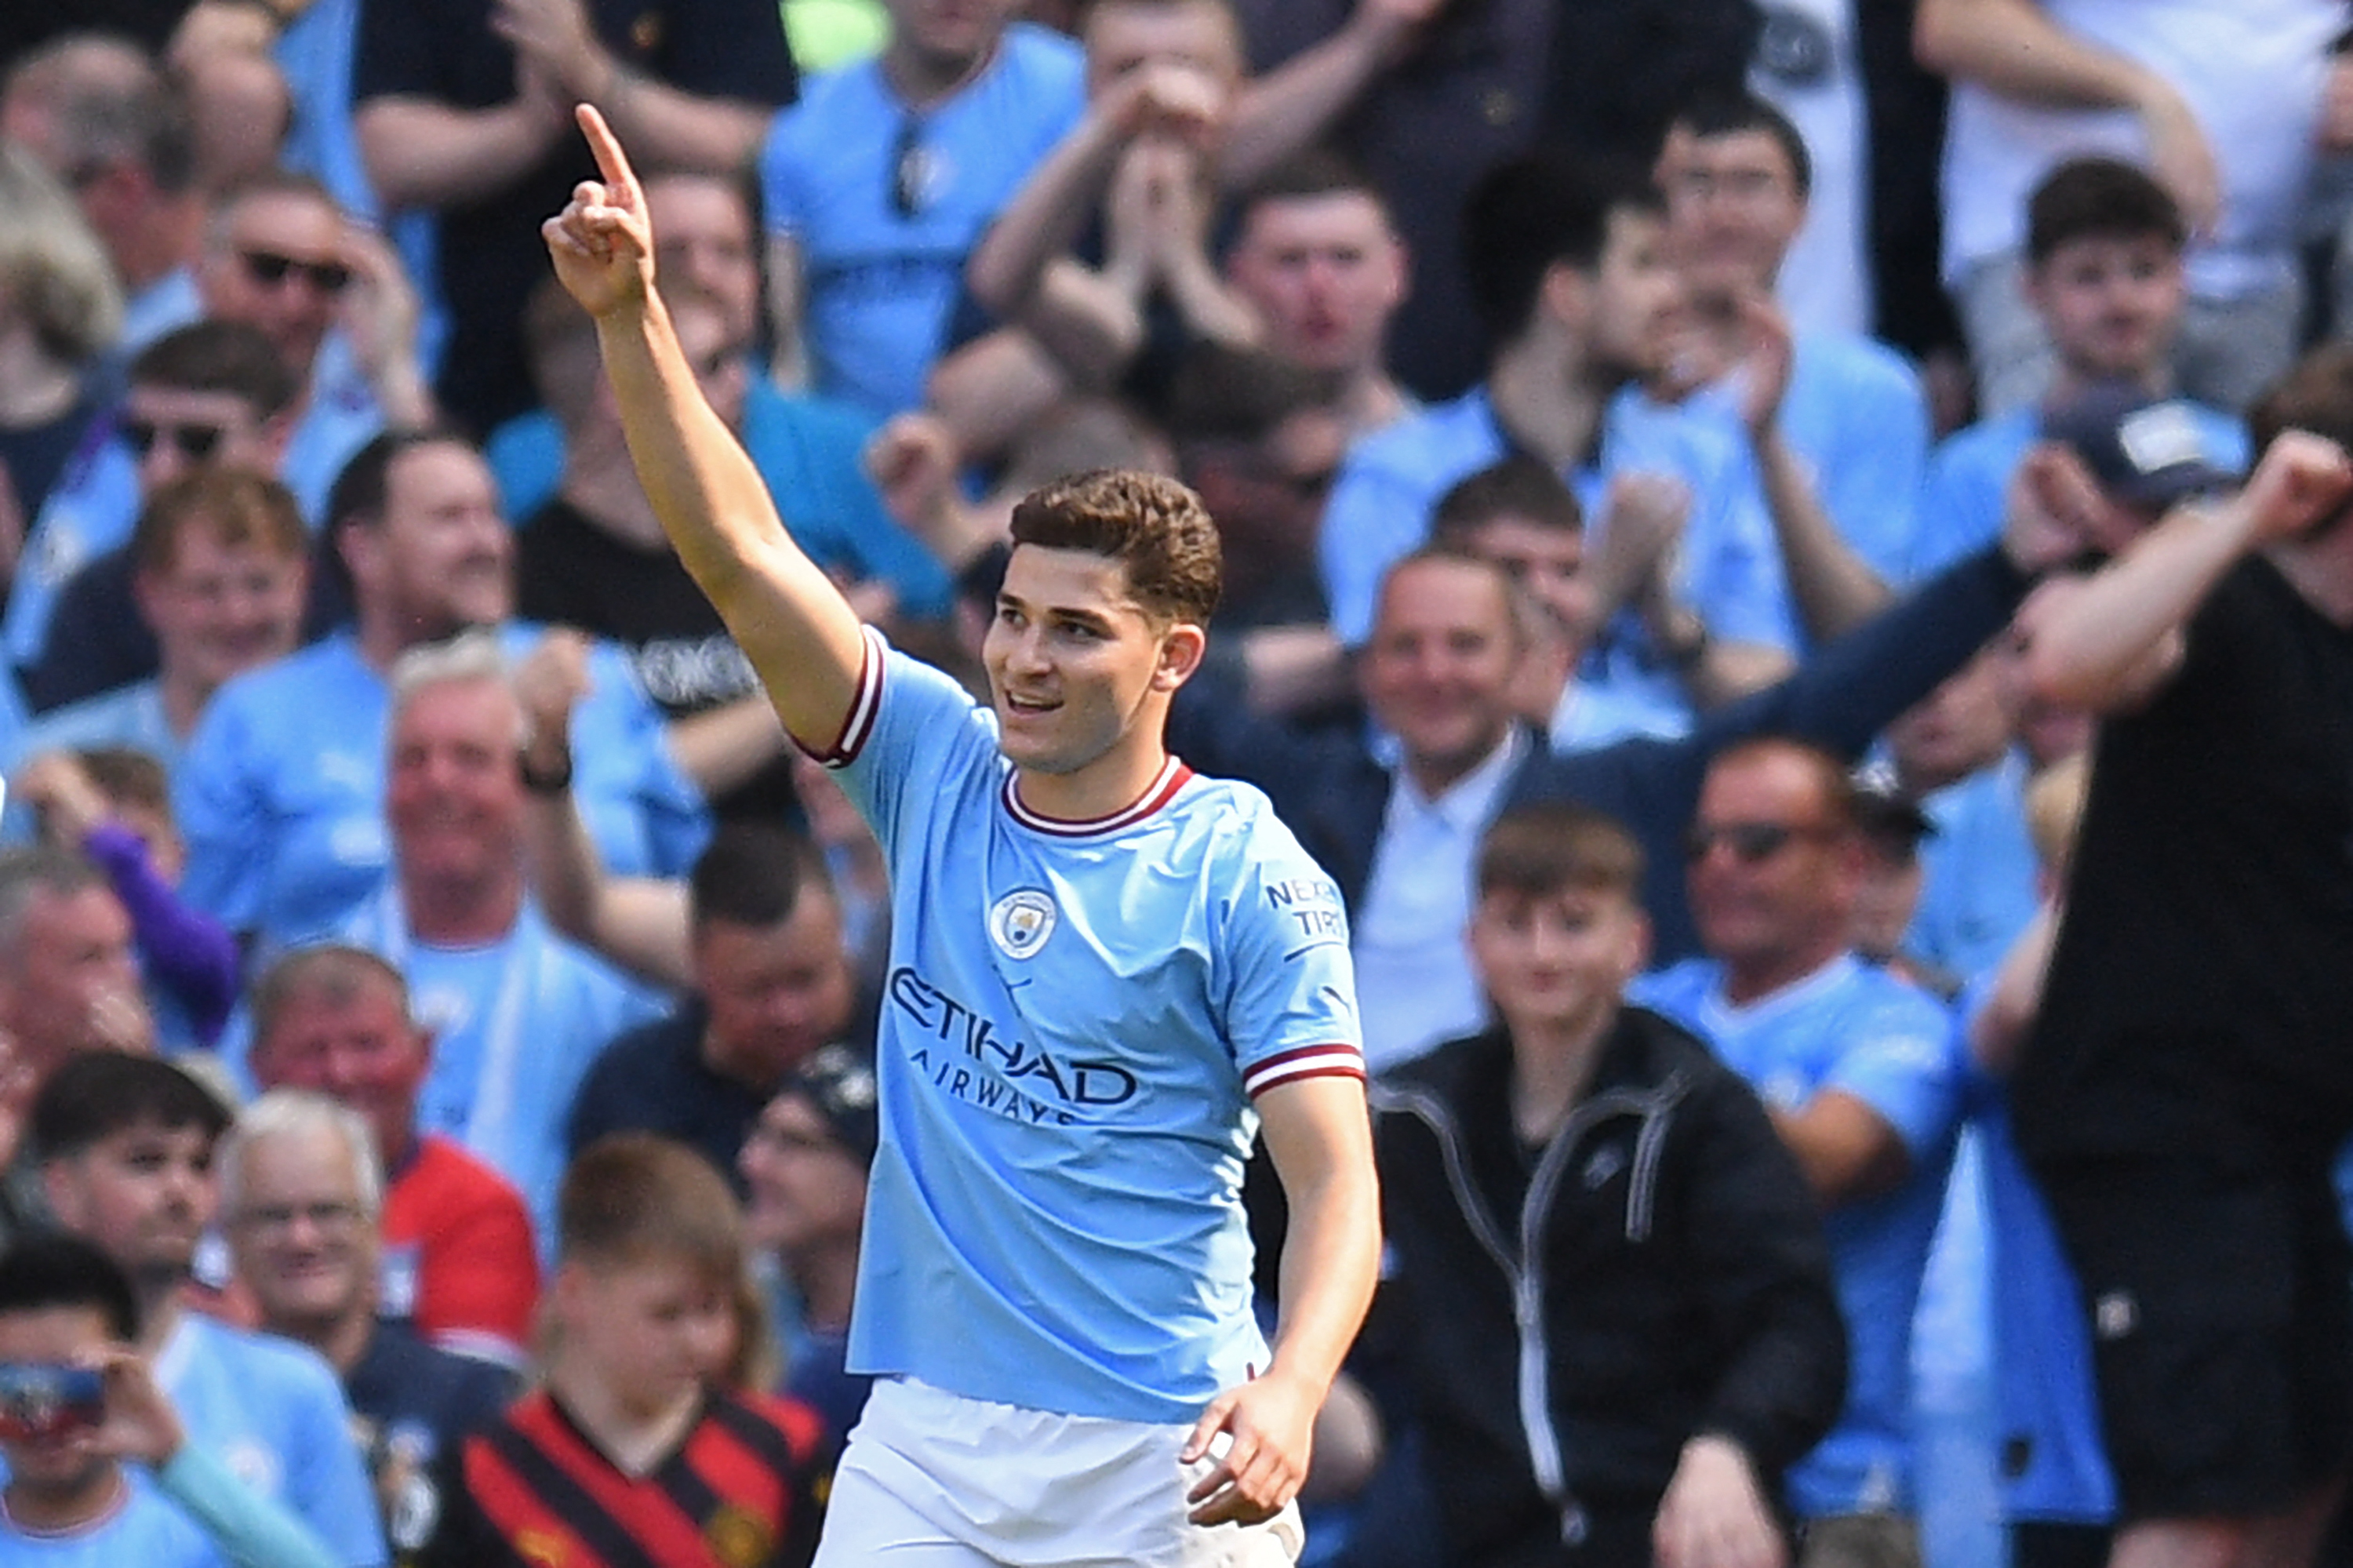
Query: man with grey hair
69, 978
97, 112
516, 1012
302, 1201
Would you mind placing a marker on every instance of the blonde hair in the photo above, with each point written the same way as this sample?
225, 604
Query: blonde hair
53, 271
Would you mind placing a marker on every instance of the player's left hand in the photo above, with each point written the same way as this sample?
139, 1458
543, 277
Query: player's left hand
1270, 1421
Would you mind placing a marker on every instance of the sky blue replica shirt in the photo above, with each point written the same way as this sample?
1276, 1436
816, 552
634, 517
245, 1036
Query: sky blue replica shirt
1966, 496
885, 204
1857, 419
279, 794
1077, 1019
143, 1528
1977, 890
273, 1413
1855, 1028
1729, 569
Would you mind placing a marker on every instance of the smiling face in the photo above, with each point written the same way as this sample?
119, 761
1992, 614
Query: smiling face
453, 796
304, 1243
1079, 674
356, 1047
1436, 672
1774, 872
276, 264
219, 608
441, 557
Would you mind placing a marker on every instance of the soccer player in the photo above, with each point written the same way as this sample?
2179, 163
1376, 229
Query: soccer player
1107, 974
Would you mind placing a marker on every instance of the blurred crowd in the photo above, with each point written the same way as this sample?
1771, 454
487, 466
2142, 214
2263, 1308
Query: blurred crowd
1661, 404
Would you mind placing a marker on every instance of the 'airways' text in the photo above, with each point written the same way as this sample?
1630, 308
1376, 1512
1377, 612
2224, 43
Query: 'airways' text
1010, 1072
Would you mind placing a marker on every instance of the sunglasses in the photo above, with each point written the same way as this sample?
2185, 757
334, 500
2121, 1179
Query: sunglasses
271, 271
1751, 843
910, 167
195, 443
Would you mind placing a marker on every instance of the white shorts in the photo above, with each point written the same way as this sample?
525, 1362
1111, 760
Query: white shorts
933, 1479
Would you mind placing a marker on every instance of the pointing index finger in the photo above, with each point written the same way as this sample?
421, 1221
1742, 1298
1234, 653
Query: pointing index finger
611, 162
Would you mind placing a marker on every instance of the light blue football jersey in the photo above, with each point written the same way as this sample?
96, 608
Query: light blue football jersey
273, 1413
1076, 1019
1860, 1030
879, 275
143, 1528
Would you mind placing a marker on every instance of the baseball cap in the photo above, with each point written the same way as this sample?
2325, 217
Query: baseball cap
838, 1081
1883, 810
2142, 450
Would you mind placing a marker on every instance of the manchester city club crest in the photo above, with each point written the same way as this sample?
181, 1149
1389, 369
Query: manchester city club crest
1020, 922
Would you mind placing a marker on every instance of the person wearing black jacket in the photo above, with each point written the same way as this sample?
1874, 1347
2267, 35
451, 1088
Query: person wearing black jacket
1620, 1317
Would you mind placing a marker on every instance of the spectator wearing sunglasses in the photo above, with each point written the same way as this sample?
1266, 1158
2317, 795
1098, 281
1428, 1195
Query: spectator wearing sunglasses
1859, 1070
212, 393
334, 301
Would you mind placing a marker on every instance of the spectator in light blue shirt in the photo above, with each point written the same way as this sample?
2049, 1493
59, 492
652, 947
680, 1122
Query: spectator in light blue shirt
1859, 1070
2104, 274
126, 1144
879, 181
1570, 273
279, 791
212, 394
220, 562
1852, 433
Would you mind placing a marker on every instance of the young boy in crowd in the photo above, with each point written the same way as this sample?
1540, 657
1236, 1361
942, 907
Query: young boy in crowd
68, 1312
1595, 1159
631, 1449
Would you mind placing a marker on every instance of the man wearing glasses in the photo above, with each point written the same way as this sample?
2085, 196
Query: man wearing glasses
213, 392
301, 1198
1857, 1069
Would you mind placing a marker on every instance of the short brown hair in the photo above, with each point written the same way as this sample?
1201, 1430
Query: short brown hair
2099, 199
1552, 846
632, 1197
338, 974
1155, 527
1518, 486
238, 506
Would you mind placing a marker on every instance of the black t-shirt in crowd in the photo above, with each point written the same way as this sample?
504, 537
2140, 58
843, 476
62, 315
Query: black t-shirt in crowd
570, 572
2201, 995
412, 1407
489, 252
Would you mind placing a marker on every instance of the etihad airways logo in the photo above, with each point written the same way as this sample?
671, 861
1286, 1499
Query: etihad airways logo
1008, 1077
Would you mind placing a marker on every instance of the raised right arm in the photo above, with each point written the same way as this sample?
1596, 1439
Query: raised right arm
800, 634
